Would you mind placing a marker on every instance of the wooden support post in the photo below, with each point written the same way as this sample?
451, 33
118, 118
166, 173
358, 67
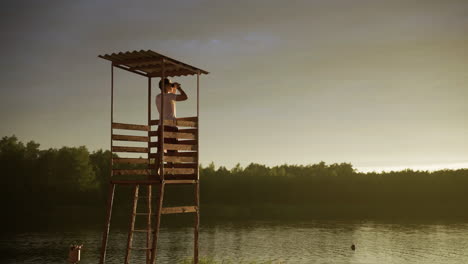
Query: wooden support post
149, 126
161, 126
112, 116
149, 187
105, 235
110, 199
197, 223
158, 222
197, 186
148, 234
132, 223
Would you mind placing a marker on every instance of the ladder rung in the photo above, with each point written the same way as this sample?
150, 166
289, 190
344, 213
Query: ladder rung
179, 209
180, 181
143, 214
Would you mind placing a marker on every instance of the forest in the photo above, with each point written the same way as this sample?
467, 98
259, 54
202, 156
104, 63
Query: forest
70, 184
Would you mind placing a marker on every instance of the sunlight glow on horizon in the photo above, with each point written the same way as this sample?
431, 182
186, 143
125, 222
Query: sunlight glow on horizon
418, 167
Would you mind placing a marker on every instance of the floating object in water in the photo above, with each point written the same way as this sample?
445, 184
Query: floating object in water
74, 254
353, 247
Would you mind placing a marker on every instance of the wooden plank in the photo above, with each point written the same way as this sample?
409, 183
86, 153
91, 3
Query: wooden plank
182, 165
179, 154
183, 154
131, 172
182, 142
179, 147
132, 223
151, 182
180, 176
179, 135
179, 170
186, 142
130, 160
130, 126
188, 130
130, 138
105, 235
180, 181
192, 134
135, 182
179, 159
182, 123
129, 149
191, 118
179, 209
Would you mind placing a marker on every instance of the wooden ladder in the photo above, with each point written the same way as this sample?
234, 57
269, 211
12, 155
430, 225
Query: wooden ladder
151, 243
132, 229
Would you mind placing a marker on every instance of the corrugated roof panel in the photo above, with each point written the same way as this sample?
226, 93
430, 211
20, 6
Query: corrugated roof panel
149, 63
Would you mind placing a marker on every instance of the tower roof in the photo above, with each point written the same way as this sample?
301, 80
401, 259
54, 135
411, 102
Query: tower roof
149, 63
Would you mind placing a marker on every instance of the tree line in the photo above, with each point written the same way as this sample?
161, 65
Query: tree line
37, 182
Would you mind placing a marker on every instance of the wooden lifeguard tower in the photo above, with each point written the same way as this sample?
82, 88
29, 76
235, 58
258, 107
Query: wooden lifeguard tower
179, 166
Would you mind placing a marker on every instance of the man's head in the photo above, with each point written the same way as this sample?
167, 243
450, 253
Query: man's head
168, 86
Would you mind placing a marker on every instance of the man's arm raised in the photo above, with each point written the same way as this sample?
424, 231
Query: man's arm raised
182, 96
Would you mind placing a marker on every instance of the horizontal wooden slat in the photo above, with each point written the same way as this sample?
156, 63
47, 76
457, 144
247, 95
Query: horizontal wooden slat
193, 131
150, 182
183, 165
179, 209
179, 154
179, 159
182, 123
188, 130
182, 142
129, 149
186, 142
179, 147
179, 171
130, 126
192, 118
180, 135
130, 138
130, 160
180, 181
130, 172
180, 176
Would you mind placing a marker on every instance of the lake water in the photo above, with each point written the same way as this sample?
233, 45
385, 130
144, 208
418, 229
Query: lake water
260, 242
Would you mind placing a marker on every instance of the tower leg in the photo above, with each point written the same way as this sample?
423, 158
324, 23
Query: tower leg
132, 224
157, 223
105, 235
197, 223
148, 234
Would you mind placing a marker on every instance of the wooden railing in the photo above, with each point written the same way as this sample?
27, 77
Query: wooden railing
181, 149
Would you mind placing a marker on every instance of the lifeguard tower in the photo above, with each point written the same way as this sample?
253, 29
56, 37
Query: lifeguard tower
177, 164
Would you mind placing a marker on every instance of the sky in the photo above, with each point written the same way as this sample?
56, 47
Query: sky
378, 84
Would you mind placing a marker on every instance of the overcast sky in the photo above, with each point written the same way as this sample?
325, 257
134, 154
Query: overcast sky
379, 84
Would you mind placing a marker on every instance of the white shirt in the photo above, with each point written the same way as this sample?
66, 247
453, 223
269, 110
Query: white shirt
169, 105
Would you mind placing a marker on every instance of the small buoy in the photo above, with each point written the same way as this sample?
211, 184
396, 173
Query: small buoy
353, 247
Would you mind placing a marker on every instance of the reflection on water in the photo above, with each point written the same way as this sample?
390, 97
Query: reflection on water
312, 242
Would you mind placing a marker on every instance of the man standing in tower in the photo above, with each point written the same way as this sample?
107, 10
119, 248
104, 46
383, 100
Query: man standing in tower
170, 97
